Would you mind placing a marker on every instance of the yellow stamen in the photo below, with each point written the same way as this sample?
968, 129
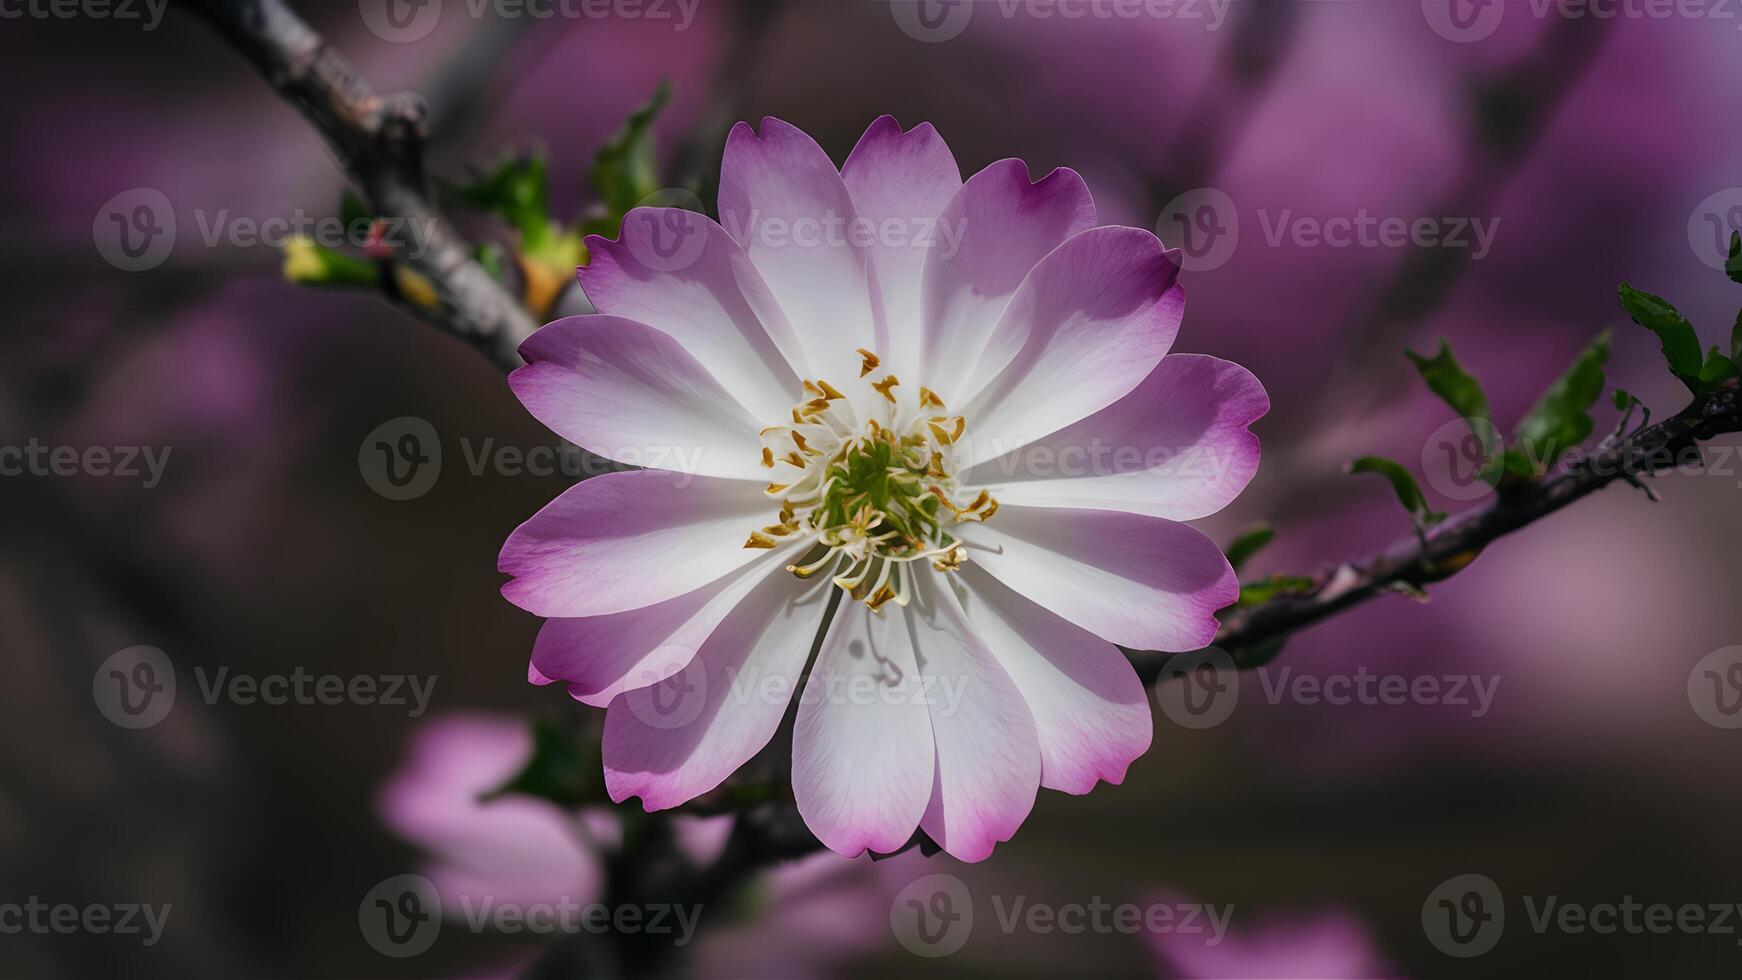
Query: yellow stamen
759, 540
767, 457
870, 361
929, 398
884, 386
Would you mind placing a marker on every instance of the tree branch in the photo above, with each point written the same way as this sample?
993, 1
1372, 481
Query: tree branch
379, 141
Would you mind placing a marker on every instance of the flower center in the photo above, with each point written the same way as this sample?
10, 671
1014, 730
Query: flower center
873, 496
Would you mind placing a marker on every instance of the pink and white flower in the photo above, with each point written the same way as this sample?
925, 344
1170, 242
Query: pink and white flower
950, 399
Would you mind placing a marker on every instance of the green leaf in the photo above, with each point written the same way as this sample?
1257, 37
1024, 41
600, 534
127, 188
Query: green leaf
1681, 347
1624, 400
1561, 418
517, 190
561, 770
623, 172
1271, 586
1733, 263
309, 264
1403, 483
1736, 339
1248, 543
1716, 370
1459, 389
352, 210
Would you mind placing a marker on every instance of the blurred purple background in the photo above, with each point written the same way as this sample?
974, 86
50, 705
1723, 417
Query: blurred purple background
1595, 150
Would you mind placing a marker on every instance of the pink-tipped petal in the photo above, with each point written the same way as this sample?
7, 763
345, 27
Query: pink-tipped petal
784, 201
862, 754
1090, 709
988, 751
631, 393
622, 541
682, 737
1090, 322
900, 184
1000, 226
603, 656
680, 273
1178, 446
1137, 581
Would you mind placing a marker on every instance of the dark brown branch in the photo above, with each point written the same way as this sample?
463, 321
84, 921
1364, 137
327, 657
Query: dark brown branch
379, 141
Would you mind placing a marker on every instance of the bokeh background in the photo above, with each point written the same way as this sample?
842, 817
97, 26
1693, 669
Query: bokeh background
1598, 149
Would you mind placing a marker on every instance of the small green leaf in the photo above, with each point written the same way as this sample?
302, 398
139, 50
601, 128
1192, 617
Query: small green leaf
1459, 389
561, 770
1624, 400
623, 172
1561, 419
1736, 339
1403, 483
1271, 586
1681, 347
518, 191
310, 264
1716, 370
352, 210
1248, 543
1733, 263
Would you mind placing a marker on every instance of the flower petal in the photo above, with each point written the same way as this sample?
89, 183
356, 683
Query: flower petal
1004, 224
1177, 447
988, 752
626, 540
631, 393
680, 738
1090, 709
603, 656
680, 273
782, 199
1137, 581
1090, 322
900, 184
862, 755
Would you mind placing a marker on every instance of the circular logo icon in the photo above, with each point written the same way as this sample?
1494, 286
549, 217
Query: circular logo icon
401, 458
1198, 690
667, 231
1715, 688
1464, 916
1712, 223
933, 916
1204, 225
135, 688
675, 701
400, 21
401, 916
135, 230
1463, 21
932, 21
1452, 459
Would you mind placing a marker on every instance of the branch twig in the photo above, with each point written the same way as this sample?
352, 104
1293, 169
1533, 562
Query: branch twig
379, 141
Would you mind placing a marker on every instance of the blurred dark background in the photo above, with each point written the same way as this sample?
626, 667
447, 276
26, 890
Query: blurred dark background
1597, 149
